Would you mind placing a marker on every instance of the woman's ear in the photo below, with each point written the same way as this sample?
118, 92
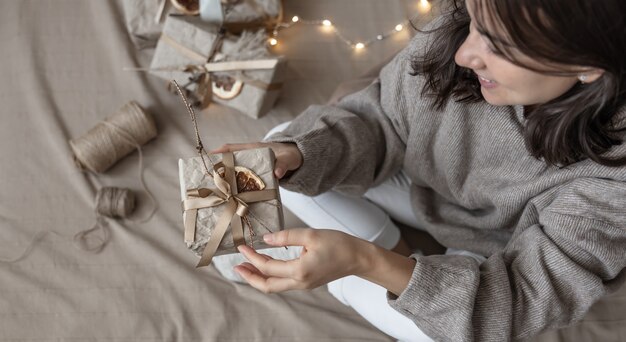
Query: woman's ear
590, 75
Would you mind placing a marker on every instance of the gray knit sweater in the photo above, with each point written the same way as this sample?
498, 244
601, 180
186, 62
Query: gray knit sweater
555, 238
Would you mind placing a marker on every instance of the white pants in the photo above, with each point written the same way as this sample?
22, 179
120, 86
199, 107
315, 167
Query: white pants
369, 218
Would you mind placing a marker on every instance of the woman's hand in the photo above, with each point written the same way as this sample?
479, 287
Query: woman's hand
327, 255
288, 156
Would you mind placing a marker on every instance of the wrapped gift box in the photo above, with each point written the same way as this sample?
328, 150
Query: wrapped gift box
263, 216
244, 75
145, 18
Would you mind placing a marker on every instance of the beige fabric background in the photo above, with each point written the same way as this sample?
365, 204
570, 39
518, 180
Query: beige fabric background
61, 67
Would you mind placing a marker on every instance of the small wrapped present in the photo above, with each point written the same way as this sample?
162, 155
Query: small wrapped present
212, 65
145, 18
237, 204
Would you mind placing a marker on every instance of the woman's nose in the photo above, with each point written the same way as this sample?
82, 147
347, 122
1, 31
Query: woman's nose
468, 55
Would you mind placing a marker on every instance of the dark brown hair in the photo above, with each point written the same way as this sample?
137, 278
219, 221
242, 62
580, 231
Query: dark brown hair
578, 124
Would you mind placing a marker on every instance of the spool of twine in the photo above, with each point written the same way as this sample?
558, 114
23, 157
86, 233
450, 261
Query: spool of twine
113, 138
110, 202
115, 202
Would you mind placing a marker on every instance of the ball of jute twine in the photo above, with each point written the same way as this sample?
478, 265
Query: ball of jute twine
115, 202
96, 151
110, 202
113, 138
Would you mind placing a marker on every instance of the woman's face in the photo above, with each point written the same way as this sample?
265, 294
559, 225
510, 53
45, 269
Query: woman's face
502, 82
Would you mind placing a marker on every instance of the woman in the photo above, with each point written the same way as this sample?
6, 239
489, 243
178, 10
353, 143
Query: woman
506, 124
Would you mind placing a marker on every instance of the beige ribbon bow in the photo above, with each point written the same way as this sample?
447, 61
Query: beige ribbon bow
225, 194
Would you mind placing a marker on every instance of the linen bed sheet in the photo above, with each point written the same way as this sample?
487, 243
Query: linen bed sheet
62, 71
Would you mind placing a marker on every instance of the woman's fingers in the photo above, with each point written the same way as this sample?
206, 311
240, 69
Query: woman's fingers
291, 237
236, 147
266, 284
280, 169
249, 267
266, 265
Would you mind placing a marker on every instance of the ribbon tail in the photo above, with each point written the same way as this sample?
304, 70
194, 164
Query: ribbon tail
190, 225
236, 227
218, 234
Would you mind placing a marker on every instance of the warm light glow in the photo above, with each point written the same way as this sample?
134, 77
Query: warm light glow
423, 6
326, 22
295, 19
359, 46
399, 27
273, 41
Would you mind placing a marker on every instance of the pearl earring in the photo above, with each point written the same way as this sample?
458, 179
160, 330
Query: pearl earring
582, 78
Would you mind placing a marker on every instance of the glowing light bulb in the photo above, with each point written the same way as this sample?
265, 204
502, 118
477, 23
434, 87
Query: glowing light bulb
399, 27
326, 22
273, 41
295, 19
423, 6
359, 46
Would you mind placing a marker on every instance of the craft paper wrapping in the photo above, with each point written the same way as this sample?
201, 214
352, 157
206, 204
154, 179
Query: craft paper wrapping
198, 37
252, 11
261, 161
144, 29
141, 21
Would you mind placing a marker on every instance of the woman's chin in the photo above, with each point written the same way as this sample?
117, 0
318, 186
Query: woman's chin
495, 100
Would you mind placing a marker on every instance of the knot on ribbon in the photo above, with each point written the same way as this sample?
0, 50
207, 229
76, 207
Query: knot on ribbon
224, 194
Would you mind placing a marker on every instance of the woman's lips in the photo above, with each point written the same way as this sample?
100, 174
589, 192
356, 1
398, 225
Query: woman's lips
486, 83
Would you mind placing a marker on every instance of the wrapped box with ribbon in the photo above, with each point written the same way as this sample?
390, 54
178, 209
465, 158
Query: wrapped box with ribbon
235, 204
145, 18
212, 65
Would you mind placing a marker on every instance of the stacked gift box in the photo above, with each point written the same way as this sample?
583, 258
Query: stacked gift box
224, 60
214, 65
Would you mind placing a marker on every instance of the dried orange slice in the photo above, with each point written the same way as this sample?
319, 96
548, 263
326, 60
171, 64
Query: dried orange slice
226, 87
188, 7
247, 180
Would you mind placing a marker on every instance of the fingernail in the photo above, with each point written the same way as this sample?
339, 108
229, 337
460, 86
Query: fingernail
240, 248
268, 238
279, 172
241, 270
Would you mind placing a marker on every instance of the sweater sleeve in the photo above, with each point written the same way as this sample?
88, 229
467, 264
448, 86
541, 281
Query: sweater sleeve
547, 276
357, 143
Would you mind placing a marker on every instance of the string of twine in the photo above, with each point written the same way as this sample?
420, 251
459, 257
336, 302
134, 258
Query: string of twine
110, 202
96, 151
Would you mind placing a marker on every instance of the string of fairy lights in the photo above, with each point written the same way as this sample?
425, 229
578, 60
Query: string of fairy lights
424, 6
